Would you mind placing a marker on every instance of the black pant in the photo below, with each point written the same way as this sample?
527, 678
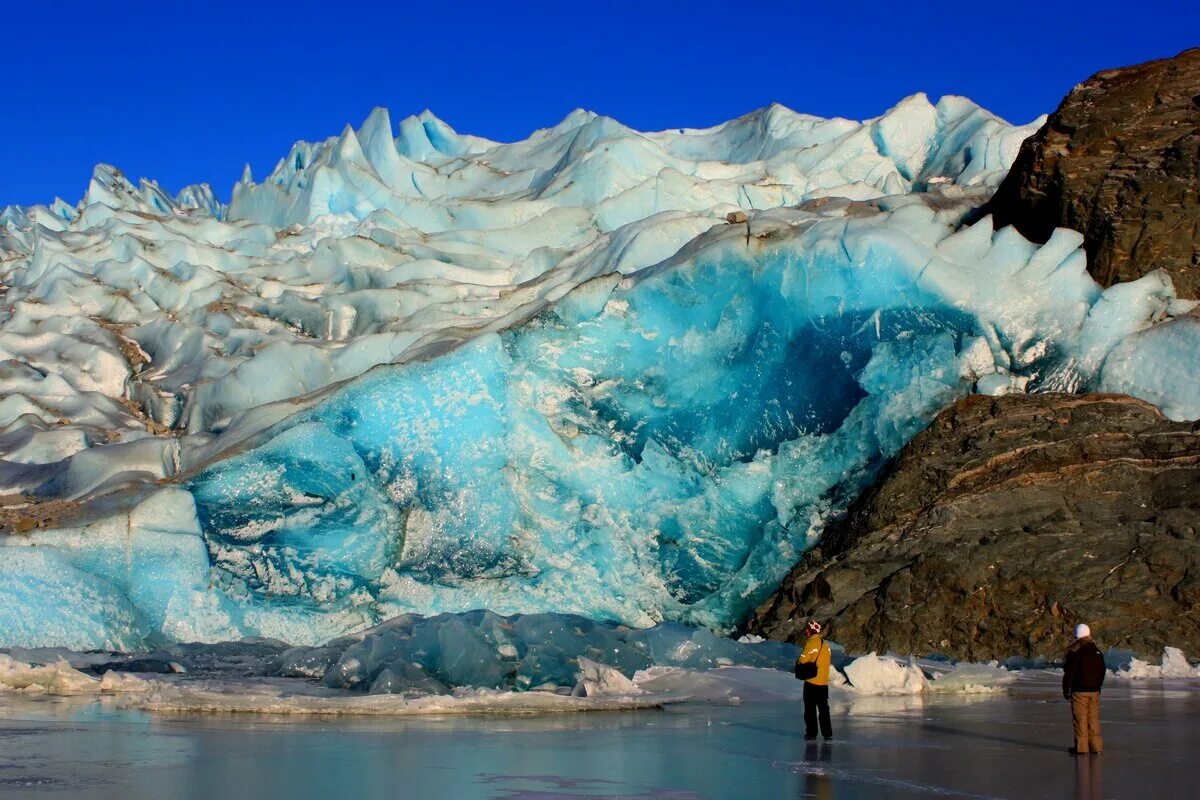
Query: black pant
816, 702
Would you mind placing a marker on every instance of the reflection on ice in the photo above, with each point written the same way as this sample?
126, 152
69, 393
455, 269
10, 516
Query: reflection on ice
1011, 745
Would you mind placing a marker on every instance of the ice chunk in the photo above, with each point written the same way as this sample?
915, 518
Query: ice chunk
154, 559
307, 662
123, 683
1158, 364
407, 679
728, 685
1174, 665
258, 699
597, 680
973, 679
873, 675
58, 678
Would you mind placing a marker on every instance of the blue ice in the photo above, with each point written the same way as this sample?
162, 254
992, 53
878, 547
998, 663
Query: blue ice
658, 449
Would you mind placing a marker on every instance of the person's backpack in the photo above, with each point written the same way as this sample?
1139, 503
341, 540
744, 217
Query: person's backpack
808, 670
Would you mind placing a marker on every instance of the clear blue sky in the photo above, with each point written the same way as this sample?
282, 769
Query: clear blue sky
189, 92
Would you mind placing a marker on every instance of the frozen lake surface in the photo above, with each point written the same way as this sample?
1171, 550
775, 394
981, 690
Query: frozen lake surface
986, 746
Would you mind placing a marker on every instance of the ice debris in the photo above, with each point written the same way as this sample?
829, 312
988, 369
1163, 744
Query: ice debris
1174, 664
418, 655
875, 675
599, 680
57, 678
973, 679
235, 698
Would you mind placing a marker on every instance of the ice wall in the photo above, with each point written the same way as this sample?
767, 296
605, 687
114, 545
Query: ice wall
656, 447
431, 373
138, 313
660, 447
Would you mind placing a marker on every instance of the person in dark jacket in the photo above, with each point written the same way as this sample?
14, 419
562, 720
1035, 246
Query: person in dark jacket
1083, 678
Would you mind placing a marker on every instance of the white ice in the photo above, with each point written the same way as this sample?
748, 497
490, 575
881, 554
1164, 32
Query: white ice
1174, 664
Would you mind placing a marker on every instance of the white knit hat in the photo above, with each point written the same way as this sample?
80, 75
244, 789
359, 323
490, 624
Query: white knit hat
1082, 630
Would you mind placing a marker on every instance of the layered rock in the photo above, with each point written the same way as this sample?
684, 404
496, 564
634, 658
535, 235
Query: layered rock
1119, 161
1006, 522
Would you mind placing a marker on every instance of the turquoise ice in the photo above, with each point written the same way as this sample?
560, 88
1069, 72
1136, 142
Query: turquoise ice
660, 447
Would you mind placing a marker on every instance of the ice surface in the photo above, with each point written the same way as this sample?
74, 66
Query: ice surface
1008, 746
416, 371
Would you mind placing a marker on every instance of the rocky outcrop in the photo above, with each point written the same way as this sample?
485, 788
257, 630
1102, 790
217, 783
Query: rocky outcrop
1006, 522
1119, 161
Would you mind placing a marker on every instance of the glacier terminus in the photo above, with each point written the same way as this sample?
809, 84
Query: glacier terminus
622, 375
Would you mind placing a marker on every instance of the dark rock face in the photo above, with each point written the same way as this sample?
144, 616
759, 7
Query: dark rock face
1119, 161
1006, 522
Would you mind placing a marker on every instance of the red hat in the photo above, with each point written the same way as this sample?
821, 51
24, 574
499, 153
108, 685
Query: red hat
813, 626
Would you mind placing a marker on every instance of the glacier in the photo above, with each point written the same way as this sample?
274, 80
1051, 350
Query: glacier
599, 372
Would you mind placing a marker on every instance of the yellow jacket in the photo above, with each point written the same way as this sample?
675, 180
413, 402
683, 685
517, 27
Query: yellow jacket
816, 650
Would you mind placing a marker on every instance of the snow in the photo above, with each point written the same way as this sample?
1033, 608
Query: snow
418, 372
124, 683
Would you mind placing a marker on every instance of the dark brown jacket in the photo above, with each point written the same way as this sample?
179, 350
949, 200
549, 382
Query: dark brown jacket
1083, 670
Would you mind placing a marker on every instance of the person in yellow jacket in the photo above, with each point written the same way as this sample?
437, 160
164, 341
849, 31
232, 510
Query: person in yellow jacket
816, 688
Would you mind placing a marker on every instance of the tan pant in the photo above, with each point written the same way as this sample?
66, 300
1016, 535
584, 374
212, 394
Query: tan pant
1085, 712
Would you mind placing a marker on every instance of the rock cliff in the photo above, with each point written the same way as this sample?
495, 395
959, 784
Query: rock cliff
1118, 161
1003, 524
